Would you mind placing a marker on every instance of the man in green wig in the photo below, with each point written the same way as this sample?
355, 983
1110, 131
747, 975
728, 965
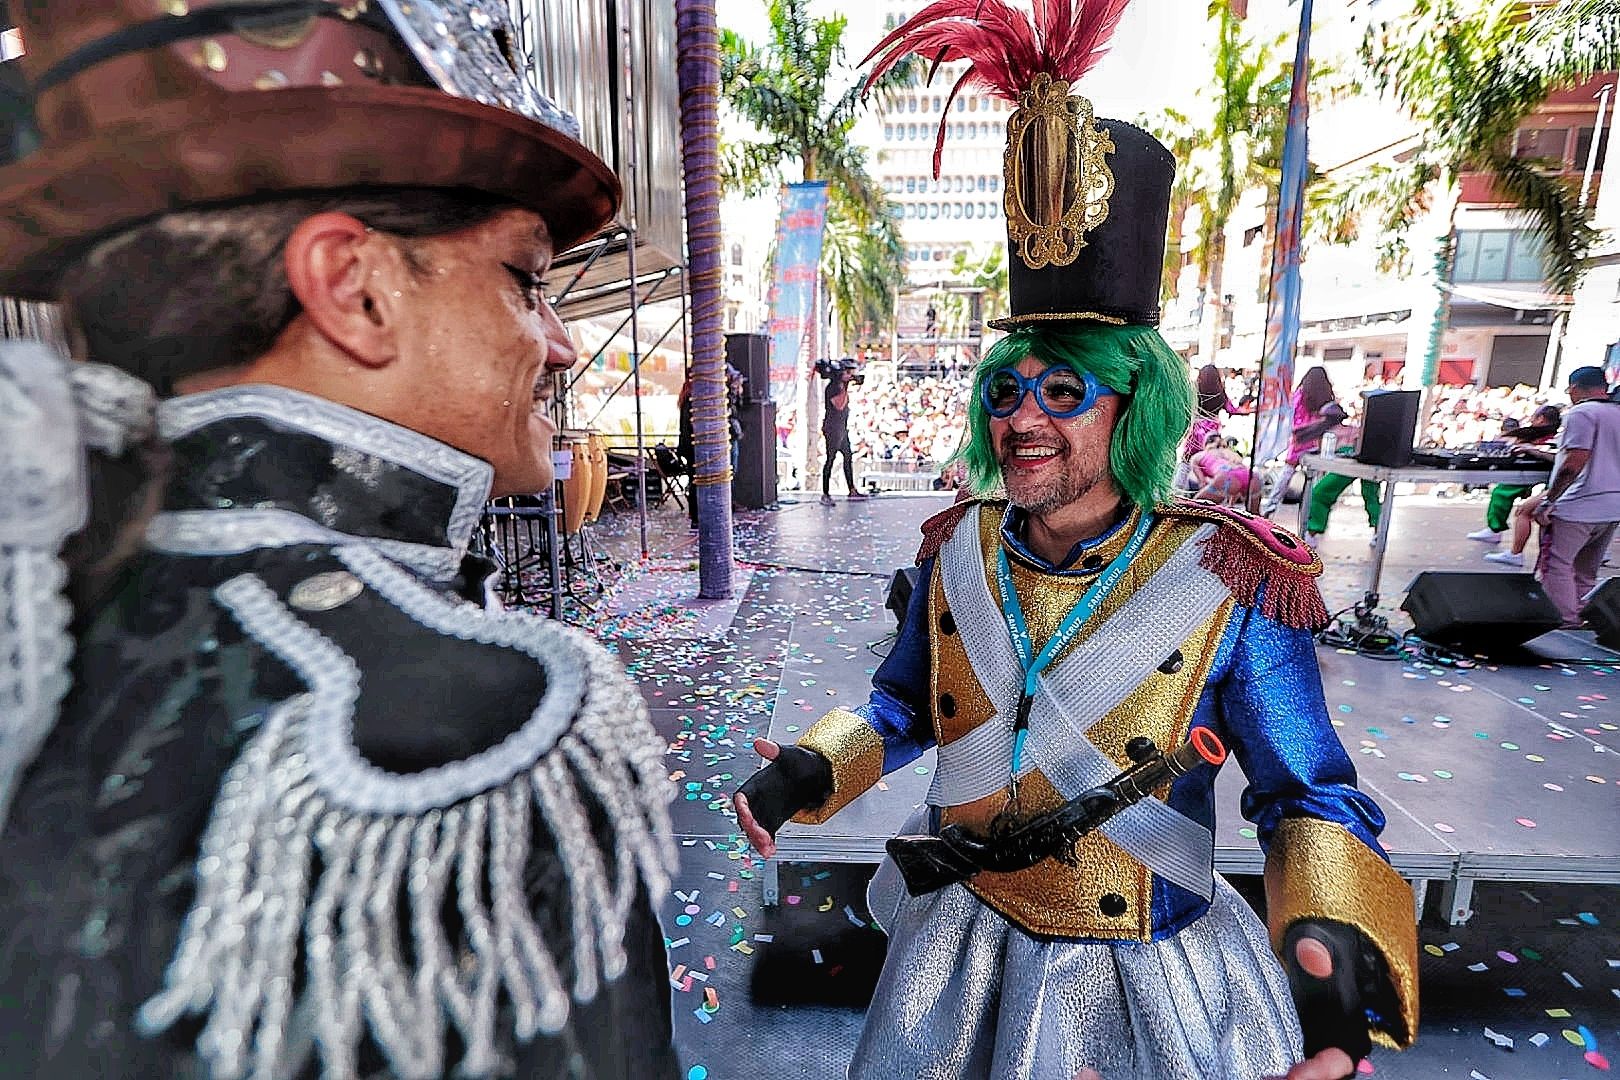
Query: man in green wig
1048, 915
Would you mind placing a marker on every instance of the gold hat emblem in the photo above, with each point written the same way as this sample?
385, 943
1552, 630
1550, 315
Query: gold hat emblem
1057, 175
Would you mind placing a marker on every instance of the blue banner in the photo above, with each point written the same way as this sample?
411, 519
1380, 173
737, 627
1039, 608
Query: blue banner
1275, 422
793, 286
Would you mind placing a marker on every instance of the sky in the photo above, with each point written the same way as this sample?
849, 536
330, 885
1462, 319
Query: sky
1159, 56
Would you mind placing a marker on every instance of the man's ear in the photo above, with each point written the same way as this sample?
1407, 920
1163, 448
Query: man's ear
348, 279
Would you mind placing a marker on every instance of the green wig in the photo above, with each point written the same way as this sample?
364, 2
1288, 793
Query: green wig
1133, 361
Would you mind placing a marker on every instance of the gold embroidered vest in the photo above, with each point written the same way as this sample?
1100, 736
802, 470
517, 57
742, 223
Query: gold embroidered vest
1107, 894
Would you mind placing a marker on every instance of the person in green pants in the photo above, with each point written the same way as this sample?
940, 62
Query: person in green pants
1327, 489
1540, 430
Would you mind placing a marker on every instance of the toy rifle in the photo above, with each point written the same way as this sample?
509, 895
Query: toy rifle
932, 862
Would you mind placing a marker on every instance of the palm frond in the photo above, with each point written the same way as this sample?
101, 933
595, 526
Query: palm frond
1569, 42
752, 168
863, 260
1554, 215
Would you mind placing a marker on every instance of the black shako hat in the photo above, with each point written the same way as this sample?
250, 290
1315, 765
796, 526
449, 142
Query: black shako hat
1087, 200
1086, 227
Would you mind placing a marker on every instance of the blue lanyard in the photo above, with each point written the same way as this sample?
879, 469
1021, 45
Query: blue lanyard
1013, 611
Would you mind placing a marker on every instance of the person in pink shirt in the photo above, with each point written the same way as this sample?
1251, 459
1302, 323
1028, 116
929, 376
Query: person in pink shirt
1219, 472
1212, 401
1316, 410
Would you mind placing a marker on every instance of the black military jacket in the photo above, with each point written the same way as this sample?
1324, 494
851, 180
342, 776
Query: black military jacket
315, 807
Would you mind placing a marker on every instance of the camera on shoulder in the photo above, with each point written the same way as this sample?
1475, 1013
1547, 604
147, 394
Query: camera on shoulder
846, 369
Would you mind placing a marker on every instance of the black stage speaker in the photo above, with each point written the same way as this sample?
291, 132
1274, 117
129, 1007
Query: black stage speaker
1602, 610
1479, 610
754, 486
900, 588
1388, 427
751, 355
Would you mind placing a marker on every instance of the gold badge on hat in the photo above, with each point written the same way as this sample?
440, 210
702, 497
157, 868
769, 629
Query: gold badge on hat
1057, 175
1086, 198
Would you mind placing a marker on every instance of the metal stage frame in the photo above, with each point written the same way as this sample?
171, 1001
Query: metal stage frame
613, 63
1447, 827
1389, 478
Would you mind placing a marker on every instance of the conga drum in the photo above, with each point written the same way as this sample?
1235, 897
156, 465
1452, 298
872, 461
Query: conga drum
577, 488
599, 476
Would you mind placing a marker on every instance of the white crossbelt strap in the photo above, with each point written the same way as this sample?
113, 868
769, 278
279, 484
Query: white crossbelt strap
1073, 695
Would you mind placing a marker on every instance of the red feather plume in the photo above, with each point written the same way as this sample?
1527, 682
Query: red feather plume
1005, 47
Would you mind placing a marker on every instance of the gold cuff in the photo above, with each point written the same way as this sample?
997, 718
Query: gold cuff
1317, 870
856, 754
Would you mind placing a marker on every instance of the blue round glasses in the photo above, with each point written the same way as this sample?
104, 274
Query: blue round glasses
1059, 391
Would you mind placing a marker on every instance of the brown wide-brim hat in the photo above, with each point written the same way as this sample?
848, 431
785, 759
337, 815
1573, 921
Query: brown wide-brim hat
232, 108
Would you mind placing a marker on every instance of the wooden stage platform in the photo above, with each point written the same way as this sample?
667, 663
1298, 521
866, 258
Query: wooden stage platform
1489, 774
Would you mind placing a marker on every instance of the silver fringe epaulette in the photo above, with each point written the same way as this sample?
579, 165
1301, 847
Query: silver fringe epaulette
316, 859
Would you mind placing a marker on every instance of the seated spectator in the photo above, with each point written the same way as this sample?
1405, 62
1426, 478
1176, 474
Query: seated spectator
1541, 429
1221, 474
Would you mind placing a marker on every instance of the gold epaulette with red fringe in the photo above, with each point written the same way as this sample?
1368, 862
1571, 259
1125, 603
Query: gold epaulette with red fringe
938, 529
1262, 563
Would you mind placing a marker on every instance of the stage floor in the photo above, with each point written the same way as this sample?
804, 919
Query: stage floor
1506, 773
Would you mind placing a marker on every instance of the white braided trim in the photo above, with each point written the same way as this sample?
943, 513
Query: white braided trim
35, 648
394, 850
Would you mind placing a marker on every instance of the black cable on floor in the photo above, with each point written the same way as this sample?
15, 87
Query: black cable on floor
812, 569
888, 639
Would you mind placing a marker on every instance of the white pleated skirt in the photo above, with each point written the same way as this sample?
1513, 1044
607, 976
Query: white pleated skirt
964, 995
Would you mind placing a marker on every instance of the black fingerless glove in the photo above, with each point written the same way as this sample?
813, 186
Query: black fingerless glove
1333, 1012
798, 779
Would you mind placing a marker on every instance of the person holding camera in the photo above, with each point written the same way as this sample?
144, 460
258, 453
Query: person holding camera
840, 375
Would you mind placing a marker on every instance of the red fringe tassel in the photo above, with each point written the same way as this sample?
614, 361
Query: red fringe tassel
1290, 595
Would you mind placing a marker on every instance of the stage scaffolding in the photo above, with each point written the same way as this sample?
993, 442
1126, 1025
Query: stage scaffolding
613, 64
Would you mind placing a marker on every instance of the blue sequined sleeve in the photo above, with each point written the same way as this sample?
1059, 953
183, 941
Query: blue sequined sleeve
898, 709
1277, 726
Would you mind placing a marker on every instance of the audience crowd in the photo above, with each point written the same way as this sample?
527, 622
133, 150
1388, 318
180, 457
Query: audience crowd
910, 423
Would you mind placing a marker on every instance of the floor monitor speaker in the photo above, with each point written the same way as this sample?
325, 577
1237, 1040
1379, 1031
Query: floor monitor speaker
1479, 610
901, 586
1602, 610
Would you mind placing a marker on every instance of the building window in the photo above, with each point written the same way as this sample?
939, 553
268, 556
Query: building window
1583, 147
736, 255
1550, 143
911, 105
995, 183
1498, 255
888, 132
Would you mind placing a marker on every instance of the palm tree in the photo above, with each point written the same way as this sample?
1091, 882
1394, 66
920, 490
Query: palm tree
983, 273
1245, 137
696, 40
782, 89
860, 267
1187, 143
1469, 78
